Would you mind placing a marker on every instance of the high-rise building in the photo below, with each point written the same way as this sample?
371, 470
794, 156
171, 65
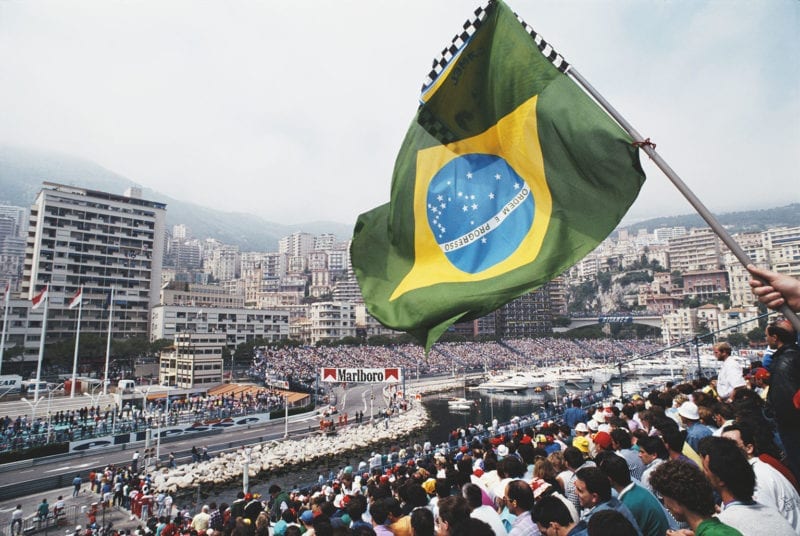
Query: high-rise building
98, 240
297, 244
224, 263
783, 245
699, 250
324, 242
181, 232
16, 215
527, 316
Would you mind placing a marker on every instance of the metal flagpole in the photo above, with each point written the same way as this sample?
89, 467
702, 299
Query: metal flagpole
77, 341
41, 344
7, 300
650, 150
108, 341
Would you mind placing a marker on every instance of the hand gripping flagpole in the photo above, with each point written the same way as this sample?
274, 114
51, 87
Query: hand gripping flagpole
650, 149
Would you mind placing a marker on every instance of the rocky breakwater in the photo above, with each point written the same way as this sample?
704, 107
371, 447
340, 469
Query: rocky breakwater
278, 457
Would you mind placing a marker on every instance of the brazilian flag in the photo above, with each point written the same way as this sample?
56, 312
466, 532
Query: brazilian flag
508, 175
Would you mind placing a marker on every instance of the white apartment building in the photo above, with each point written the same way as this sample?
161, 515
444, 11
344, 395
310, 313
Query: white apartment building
663, 234
275, 264
347, 290
98, 240
224, 263
700, 250
332, 321
297, 244
339, 259
586, 269
738, 276
324, 242
195, 295
783, 245
18, 217
737, 319
679, 326
238, 325
181, 232
195, 360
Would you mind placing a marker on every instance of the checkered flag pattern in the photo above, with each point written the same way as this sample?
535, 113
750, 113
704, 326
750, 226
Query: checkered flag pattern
548, 51
469, 28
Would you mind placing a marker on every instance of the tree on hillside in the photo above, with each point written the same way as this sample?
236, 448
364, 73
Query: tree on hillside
736, 340
756, 334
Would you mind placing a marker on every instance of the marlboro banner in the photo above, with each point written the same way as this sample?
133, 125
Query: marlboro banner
361, 375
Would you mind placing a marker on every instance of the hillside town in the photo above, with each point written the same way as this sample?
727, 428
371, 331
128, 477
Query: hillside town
166, 282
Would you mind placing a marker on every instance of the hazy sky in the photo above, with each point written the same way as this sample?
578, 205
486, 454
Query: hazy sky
295, 110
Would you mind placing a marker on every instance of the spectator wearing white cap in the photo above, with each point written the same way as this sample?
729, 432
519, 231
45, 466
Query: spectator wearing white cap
690, 418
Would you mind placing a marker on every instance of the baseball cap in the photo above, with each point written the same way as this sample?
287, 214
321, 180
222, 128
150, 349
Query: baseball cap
762, 373
581, 427
307, 517
602, 439
581, 443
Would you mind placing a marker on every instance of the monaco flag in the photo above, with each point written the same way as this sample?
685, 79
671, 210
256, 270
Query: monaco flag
39, 298
76, 299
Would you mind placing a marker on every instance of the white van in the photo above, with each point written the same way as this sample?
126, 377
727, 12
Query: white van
126, 385
29, 387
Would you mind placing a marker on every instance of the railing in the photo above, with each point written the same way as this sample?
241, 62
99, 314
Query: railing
69, 517
11, 440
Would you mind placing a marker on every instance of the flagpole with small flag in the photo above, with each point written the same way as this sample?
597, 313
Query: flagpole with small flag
77, 300
6, 300
37, 301
108, 341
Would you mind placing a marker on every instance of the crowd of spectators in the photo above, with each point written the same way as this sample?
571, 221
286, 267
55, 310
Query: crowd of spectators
637, 466
95, 421
302, 363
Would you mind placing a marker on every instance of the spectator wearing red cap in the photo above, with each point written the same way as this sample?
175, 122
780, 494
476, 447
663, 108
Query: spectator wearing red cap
602, 441
761, 380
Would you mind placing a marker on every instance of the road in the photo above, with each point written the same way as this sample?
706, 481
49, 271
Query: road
29, 479
354, 398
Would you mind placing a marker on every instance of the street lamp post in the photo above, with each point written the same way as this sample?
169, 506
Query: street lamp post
49, 405
32, 406
286, 418
246, 470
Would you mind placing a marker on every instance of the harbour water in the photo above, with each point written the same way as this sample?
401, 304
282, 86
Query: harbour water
483, 409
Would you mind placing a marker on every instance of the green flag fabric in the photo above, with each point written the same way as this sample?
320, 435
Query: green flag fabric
508, 175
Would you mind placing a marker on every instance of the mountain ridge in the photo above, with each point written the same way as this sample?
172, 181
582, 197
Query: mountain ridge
23, 170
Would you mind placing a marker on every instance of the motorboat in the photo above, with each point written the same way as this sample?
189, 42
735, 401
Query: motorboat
459, 404
515, 381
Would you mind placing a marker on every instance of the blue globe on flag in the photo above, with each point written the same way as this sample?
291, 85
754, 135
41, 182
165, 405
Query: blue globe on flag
479, 210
